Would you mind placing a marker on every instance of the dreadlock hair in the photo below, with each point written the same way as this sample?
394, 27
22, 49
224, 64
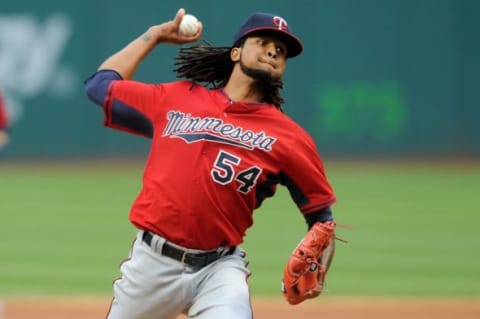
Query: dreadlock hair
204, 63
212, 66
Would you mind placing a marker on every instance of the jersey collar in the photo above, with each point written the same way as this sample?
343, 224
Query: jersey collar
225, 96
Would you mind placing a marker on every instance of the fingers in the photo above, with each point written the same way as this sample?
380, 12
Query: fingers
185, 38
169, 32
179, 16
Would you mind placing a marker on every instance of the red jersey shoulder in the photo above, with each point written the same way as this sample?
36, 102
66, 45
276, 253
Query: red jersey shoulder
289, 127
183, 86
185, 95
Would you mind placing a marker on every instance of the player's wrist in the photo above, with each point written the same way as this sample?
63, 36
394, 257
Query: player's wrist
159, 33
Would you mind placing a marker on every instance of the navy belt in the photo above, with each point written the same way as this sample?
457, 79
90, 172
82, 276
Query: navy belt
194, 260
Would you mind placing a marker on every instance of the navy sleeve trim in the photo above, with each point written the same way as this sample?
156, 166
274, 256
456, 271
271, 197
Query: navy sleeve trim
96, 86
126, 118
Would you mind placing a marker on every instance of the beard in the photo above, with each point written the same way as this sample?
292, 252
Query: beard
260, 76
263, 80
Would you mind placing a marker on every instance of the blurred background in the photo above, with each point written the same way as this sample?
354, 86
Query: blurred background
391, 78
387, 88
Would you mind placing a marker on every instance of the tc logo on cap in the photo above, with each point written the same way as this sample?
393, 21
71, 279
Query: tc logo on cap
280, 23
268, 22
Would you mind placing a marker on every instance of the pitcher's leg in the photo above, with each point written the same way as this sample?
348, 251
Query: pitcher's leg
150, 287
224, 291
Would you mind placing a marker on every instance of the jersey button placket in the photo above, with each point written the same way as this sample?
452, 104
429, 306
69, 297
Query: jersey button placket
196, 181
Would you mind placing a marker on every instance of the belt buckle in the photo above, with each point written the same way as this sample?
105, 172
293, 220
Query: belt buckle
184, 255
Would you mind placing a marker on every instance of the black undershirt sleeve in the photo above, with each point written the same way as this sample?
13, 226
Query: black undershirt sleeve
322, 215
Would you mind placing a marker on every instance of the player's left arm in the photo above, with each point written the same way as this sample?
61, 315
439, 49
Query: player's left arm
323, 215
306, 269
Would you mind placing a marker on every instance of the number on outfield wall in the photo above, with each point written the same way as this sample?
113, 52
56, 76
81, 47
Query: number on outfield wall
223, 172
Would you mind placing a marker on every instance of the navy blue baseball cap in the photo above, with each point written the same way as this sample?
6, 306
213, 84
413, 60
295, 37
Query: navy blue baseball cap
260, 21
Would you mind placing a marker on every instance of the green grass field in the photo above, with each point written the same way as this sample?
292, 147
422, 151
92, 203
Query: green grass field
64, 229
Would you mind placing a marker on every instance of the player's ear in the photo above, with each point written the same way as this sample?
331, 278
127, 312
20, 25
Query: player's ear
235, 54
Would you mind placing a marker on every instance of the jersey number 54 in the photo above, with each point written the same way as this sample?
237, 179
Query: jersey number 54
223, 172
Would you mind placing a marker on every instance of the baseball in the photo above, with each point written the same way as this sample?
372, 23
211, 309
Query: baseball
189, 25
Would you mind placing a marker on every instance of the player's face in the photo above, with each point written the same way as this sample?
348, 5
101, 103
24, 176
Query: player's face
264, 54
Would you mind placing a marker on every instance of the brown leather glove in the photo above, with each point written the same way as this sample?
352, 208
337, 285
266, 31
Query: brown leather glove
305, 271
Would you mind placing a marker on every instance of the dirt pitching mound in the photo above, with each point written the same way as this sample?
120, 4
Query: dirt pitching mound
264, 308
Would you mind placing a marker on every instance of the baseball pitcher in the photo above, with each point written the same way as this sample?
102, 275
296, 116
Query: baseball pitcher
221, 144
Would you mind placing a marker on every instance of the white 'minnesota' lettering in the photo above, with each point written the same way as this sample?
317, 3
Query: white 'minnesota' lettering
180, 123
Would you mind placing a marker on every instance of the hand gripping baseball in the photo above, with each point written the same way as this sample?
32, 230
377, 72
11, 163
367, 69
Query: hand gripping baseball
188, 26
182, 29
305, 270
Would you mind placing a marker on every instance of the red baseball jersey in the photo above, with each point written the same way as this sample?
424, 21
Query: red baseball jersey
213, 161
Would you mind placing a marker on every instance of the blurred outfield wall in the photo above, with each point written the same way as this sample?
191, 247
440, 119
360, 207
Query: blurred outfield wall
377, 77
